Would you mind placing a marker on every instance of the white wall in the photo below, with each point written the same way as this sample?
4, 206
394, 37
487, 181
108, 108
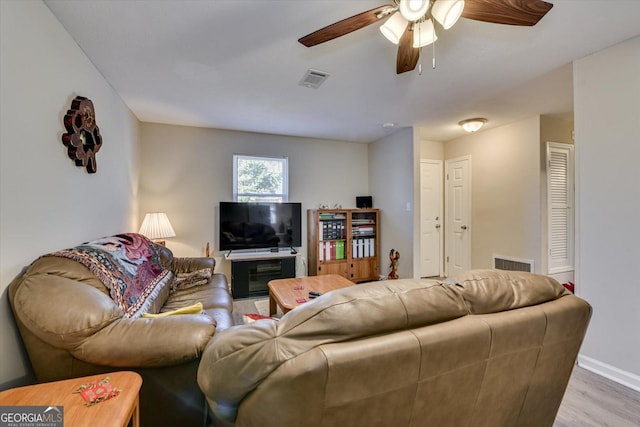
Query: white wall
391, 181
505, 189
607, 133
187, 171
429, 149
46, 202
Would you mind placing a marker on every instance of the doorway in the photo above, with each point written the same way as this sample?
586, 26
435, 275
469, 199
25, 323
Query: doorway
458, 215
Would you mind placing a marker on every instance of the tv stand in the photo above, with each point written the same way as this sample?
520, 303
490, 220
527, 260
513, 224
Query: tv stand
251, 271
260, 254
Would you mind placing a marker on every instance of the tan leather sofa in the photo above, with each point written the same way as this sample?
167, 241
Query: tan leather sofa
71, 328
486, 348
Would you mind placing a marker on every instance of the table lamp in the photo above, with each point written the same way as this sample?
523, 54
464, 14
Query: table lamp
156, 226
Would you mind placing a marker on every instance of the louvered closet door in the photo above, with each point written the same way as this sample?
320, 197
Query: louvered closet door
560, 207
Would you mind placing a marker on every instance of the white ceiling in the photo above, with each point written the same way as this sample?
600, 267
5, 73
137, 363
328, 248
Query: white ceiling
236, 64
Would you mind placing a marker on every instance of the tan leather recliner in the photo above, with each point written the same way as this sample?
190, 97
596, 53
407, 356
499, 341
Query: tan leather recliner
71, 328
486, 348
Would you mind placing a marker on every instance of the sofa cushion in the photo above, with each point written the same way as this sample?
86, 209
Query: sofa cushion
490, 291
209, 295
214, 296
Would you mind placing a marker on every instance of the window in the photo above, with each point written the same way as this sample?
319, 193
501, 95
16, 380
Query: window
260, 179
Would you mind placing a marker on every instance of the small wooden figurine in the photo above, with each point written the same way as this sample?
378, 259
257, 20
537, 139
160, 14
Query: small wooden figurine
394, 256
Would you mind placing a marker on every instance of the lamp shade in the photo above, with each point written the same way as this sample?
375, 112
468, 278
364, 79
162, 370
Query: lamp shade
412, 10
447, 12
424, 34
156, 225
472, 125
394, 28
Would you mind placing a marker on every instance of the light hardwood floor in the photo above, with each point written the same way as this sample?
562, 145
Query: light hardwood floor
595, 401
590, 400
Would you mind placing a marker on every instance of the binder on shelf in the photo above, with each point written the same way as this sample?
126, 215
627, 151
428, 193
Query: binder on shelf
340, 249
321, 252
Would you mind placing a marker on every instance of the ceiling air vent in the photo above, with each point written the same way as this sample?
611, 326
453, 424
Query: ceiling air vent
313, 79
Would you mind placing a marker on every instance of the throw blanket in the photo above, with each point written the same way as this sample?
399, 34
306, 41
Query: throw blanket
128, 265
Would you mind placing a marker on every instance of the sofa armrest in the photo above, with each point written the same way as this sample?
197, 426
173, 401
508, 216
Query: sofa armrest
187, 265
148, 342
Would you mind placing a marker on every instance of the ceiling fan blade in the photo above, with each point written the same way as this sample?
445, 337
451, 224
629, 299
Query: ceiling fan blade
347, 25
407, 54
511, 12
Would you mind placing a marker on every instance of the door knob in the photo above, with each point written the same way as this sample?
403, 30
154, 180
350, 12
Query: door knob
437, 226
464, 227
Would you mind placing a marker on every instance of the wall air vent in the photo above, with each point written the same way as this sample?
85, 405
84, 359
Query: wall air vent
512, 264
313, 79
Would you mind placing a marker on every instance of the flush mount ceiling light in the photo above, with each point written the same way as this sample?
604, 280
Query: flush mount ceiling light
472, 125
413, 26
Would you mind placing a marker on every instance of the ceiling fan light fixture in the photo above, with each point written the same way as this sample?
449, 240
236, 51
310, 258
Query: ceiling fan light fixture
412, 10
472, 125
424, 35
447, 12
394, 28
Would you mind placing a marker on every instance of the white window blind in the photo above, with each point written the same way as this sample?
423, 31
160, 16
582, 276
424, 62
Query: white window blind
560, 207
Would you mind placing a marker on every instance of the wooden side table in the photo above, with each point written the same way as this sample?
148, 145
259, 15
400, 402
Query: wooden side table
114, 412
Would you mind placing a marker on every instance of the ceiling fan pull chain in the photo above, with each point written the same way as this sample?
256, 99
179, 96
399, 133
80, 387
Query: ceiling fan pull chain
420, 50
433, 49
433, 60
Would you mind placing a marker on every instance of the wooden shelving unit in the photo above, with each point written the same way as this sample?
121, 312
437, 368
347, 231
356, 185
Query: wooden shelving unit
344, 242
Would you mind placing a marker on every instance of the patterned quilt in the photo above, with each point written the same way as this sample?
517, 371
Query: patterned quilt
129, 267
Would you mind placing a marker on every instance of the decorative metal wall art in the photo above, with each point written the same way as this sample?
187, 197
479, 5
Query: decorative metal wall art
83, 139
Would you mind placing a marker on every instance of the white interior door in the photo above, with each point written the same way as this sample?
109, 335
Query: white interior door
458, 215
431, 236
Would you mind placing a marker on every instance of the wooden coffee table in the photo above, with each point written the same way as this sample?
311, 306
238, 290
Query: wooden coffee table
283, 292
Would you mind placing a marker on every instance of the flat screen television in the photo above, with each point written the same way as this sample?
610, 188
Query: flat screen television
260, 225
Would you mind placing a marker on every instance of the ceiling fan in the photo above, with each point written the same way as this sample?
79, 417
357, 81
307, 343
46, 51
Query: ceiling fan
413, 27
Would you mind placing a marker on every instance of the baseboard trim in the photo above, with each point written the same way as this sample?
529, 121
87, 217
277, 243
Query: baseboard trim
624, 378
